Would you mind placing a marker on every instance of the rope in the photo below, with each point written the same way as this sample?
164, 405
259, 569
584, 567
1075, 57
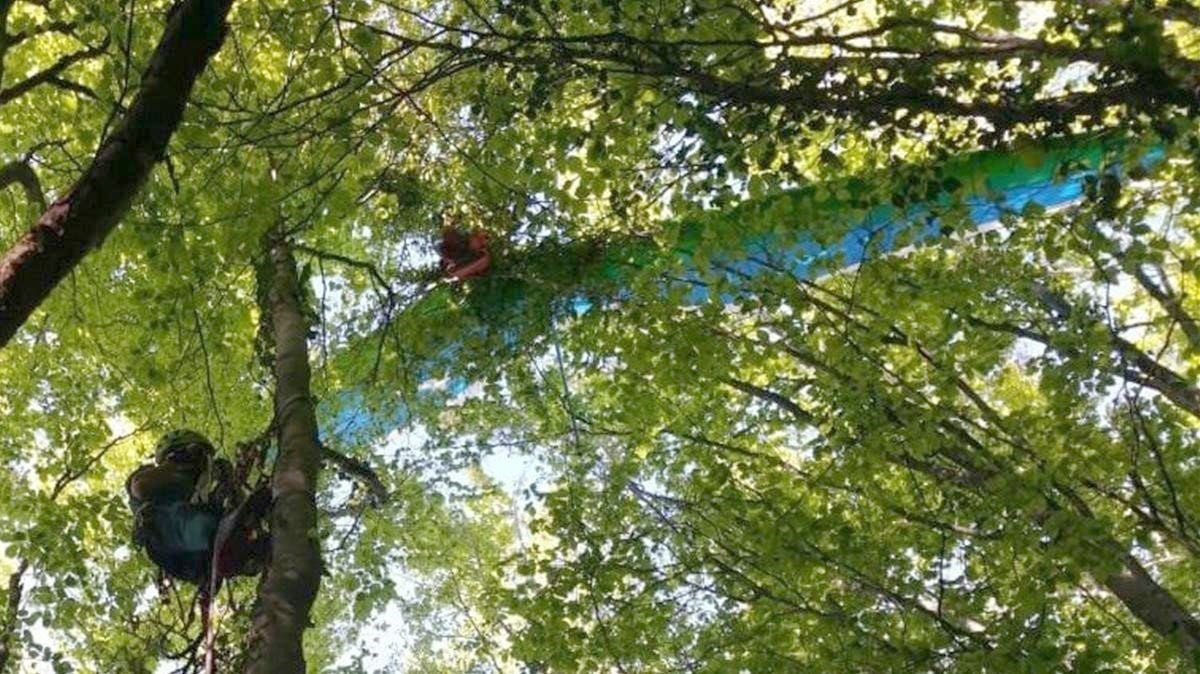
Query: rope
220, 540
210, 596
249, 457
210, 631
227, 532
288, 403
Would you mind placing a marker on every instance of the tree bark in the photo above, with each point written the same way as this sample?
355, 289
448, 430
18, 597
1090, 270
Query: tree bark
1154, 605
80, 221
1153, 374
293, 577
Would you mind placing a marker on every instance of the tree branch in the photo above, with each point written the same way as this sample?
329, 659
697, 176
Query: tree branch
359, 470
22, 173
1172, 303
53, 74
80, 221
778, 399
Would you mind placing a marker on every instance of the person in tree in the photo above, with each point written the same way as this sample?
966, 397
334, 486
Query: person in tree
464, 255
178, 503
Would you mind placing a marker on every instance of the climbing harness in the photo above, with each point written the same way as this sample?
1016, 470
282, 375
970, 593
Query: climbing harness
195, 525
224, 563
237, 522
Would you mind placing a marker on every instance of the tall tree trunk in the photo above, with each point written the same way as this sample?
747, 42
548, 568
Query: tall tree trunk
294, 574
80, 221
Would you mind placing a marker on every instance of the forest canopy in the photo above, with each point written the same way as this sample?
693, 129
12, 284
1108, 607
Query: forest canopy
608, 335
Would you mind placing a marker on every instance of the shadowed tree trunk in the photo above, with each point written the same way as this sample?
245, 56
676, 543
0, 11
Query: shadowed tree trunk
80, 220
1157, 608
293, 577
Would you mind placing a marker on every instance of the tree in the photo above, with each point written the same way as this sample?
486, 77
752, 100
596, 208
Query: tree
80, 220
973, 456
291, 581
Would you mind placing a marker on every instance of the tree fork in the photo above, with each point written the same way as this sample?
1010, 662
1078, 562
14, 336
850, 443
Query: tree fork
81, 220
293, 577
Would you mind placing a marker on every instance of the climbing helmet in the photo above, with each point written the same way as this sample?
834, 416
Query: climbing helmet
183, 446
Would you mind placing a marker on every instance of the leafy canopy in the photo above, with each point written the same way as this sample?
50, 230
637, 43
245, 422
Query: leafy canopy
973, 456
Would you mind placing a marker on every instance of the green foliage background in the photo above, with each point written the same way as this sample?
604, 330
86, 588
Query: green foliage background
929, 462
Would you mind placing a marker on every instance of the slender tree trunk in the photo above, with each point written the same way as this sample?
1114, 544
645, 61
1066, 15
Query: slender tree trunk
294, 574
80, 221
1154, 605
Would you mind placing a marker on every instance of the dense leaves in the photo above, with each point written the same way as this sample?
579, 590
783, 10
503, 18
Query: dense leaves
631, 447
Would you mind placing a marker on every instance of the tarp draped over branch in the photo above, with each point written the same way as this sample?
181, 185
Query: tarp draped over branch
80, 220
